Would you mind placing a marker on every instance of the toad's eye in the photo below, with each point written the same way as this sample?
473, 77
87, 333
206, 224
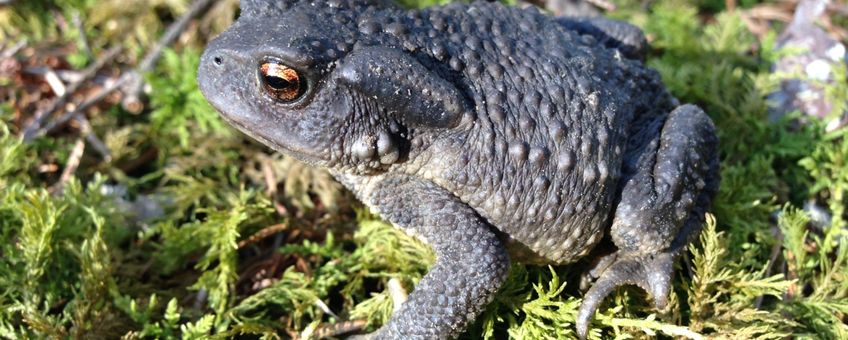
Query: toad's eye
281, 82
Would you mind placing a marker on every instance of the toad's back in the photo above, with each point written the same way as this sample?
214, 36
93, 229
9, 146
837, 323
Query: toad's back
541, 156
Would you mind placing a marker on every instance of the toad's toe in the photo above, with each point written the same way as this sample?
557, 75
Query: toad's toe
650, 272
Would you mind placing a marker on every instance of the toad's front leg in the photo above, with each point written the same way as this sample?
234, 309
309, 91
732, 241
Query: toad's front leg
471, 263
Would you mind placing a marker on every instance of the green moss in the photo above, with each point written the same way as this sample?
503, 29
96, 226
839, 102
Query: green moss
179, 108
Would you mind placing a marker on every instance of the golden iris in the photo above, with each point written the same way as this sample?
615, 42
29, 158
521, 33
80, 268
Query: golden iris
281, 82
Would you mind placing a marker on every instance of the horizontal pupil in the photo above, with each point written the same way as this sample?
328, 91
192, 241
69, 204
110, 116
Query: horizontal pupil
277, 82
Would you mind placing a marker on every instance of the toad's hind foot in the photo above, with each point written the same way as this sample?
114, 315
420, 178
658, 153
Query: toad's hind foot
670, 176
650, 272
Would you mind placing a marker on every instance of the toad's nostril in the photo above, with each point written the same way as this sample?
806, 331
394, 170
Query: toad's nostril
218, 60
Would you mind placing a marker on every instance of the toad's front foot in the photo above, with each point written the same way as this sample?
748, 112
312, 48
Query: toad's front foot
471, 263
650, 272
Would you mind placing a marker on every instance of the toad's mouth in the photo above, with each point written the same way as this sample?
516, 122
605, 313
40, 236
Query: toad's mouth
287, 150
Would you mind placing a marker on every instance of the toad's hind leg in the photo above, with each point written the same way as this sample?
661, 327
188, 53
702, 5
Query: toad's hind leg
626, 38
671, 177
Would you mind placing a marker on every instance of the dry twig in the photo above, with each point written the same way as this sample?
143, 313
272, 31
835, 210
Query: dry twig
134, 84
91, 101
271, 183
262, 234
730, 5
11, 51
34, 128
76, 21
758, 17
131, 81
603, 4
333, 330
55, 83
270, 178
70, 168
91, 138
